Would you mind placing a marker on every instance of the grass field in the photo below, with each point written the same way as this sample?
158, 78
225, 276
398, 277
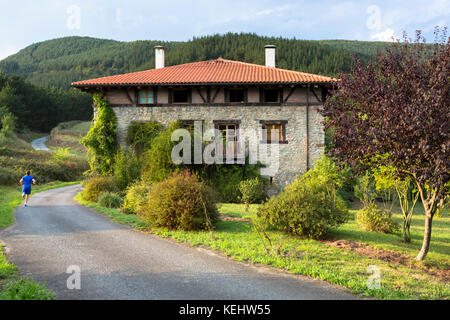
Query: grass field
12, 285
69, 135
241, 241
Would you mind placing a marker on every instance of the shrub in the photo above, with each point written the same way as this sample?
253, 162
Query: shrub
8, 177
252, 191
141, 135
158, 164
136, 195
127, 169
180, 202
61, 154
225, 179
110, 200
373, 218
304, 208
365, 189
96, 186
337, 180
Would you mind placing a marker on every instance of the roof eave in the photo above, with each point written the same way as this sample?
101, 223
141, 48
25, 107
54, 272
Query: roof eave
166, 84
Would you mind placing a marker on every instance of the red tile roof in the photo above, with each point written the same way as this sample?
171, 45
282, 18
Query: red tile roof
218, 71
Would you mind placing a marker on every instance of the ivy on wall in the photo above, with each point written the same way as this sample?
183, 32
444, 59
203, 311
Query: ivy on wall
101, 140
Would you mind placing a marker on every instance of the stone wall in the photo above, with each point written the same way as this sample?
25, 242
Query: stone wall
292, 155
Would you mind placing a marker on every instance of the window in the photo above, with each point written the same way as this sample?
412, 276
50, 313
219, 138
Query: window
229, 132
146, 96
236, 95
273, 131
180, 95
271, 95
190, 124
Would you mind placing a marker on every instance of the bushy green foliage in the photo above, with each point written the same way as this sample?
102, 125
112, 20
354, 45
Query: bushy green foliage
337, 180
373, 218
61, 154
225, 179
304, 208
110, 200
252, 191
127, 169
365, 189
43, 167
8, 125
136, 195
96, 186
101, 138
158, 164
8, 177
141, 135
180, 202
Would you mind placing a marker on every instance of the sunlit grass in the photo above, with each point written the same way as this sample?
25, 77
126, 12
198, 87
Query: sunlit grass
242, 242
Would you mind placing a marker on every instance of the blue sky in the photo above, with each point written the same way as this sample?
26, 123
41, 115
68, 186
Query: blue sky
26, 21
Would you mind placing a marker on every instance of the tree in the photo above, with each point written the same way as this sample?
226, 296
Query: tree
394, 111
386, 180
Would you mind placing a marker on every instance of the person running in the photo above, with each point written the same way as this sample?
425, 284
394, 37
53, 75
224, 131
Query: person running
26, 182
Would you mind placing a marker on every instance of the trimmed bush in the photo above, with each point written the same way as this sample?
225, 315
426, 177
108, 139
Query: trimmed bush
180, 202
95, 187
305, 209
136, 196
373, 218
252, 191
110, 200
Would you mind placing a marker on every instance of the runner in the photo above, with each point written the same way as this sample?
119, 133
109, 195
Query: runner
26, 182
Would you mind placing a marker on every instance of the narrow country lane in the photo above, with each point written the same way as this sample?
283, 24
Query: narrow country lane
116, 262
39, 144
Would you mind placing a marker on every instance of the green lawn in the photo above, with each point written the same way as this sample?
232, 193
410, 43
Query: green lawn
12, 285
241, 241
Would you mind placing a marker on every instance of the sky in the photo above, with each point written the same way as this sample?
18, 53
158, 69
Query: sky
25, 22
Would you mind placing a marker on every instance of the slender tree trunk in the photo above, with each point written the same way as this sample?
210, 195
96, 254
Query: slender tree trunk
426, 237
406, 232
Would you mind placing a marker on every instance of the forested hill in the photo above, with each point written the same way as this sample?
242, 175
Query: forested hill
61, 61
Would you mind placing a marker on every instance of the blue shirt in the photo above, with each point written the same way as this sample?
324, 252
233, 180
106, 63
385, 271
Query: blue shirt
27, 181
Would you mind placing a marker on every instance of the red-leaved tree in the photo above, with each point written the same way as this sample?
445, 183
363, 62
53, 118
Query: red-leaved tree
394, 111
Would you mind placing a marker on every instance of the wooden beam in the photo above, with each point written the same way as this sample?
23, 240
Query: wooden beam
215, 95
128, 95
314, 93
289, 95
200, 94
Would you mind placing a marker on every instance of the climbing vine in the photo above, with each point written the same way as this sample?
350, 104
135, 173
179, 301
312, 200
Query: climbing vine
101, 138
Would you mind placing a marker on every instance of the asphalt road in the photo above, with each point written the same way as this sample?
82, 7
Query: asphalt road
116, 262
39, 144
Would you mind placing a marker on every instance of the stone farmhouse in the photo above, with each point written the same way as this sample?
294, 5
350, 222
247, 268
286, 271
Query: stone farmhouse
229, 96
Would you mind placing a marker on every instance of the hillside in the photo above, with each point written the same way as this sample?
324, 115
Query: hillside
61, 61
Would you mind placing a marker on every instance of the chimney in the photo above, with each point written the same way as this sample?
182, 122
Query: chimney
270, 55
159, 57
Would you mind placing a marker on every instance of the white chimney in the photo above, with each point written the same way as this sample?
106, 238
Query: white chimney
270, 55
159, 57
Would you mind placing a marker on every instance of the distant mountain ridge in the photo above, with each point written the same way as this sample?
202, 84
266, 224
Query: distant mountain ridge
58, 62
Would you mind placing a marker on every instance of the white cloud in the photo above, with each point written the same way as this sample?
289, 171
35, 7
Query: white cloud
386, 35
